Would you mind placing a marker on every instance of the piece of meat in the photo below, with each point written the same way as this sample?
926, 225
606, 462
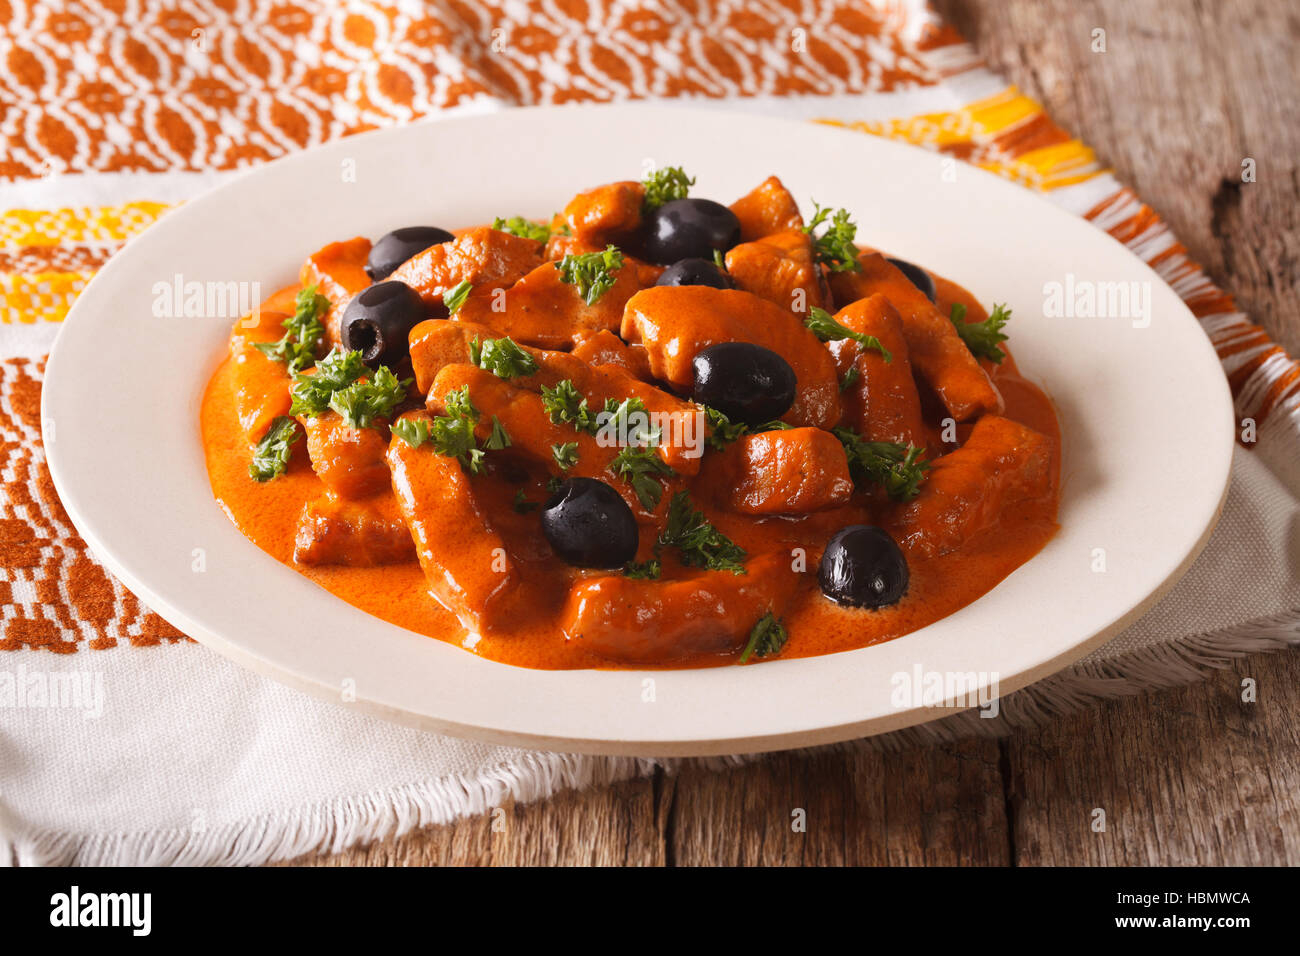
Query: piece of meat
795, 471
937, 352
465, 560
780, 268
767, 209
487, 258
882, 404
350, 461
338, 272
543, 311
606, 348
605, 213
638, 621
675, 323
966, 491
368, 534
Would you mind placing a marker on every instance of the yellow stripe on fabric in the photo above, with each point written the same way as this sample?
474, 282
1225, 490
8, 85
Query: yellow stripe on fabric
973, 131
50, 227
39, 297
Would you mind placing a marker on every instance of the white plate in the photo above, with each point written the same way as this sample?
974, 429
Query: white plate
1146, 415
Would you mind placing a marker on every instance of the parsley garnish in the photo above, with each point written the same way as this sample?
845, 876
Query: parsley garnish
522, 505
524, 228
452, 434
982, 338
829, 329
362, 402
638, 466
701, 545
900, 469
850, 377
664, 185
644, 570
312, 393
835, 247
502, 357
723, 431
566, 455
564, 403
455, 297
413, 431
271, 456
499, 438
303, 332
617, 412
591, 272
720, 260
767, 638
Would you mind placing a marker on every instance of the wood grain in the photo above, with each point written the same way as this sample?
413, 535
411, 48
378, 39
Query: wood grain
1185, 91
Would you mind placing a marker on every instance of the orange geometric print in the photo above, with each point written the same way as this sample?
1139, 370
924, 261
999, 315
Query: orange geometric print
151, 86
53, 594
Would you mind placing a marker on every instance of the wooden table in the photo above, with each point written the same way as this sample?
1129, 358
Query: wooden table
1185, 92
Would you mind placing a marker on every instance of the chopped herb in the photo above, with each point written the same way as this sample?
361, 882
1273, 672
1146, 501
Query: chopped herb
719, 260
566, 455
522, 505
566, 405
413, 431
829, 329
850, 378
499, 438
638, 466
767, 638
303, 332
982, 338
452, 434
455, 297
835, 247
524, 228
701, 545
362, 402
553, 483
271, 456
898, 468
723, 431
664, 185
618, 417
591, 272
502, 357
312, 392
645, 570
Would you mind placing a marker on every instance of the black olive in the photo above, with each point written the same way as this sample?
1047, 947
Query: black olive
689, 229
377, 321
695, 272
862, 566
399, 245
916, 275
745, 382
589, 524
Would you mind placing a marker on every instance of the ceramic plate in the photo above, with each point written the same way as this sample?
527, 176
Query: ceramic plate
1145, 412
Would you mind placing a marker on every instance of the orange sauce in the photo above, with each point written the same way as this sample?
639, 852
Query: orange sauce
267, 513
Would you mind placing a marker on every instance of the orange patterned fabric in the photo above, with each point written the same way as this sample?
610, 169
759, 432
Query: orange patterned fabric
106, 85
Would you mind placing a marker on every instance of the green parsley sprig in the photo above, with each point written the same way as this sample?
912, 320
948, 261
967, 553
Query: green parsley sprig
643, 570
591, 272
899, 469
565, 455
665, 185
311, 393
502, 357
523, 228
723, 431
641, 468
835, 247
271, 455
452, 434
829, 329
566, 405
766, 639
303, 332
455, 297
982, 338
699, 543
362, 402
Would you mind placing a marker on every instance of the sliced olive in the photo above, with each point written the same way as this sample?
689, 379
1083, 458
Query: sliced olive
745, 382
399, 245
377, 321
916, 275
862, 566
589, 524
689, 229
694, 272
